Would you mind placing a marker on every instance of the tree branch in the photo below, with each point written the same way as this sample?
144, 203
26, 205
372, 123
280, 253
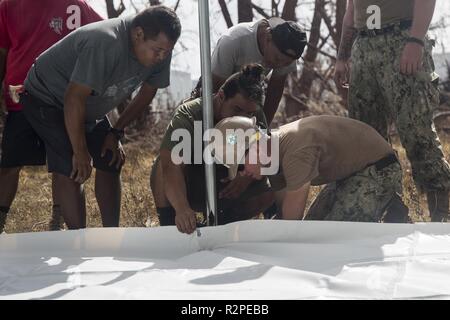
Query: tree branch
288, 13
329, 24
245, 12
176, 5
112, 11
225, 13
260, 11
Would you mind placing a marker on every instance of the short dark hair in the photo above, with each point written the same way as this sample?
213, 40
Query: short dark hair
158, 19
247, 82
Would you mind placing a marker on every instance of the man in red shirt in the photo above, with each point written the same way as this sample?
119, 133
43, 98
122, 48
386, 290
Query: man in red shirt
28, 28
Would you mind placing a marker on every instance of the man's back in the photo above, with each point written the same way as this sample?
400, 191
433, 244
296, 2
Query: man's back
328, 148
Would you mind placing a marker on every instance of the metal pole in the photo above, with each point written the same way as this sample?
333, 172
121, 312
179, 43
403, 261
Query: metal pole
208, 113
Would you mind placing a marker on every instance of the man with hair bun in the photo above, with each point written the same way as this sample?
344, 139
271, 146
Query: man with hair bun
179, 189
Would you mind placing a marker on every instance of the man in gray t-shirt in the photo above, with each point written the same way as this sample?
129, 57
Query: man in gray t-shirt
74, 84
274, 43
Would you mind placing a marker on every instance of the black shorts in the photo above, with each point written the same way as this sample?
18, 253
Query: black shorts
21, 146
48, 122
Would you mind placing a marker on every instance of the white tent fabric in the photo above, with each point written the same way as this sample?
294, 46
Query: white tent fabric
246, 260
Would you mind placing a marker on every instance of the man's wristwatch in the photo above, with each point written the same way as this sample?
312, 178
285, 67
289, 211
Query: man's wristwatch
416, 40
118, 133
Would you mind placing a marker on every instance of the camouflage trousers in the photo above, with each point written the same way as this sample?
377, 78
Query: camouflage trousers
364, 196
379, 95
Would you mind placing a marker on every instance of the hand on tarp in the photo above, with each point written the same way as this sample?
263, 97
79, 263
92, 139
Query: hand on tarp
186, 220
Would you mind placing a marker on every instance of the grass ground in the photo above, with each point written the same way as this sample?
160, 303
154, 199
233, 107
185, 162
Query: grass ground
32, 207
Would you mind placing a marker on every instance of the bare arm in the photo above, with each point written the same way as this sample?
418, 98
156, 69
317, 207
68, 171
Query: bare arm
137, 105
342, 67
412, 56
132, 112
348, 34
74, 119
175, 190
423, 14
174, 183
294, 203
274, 94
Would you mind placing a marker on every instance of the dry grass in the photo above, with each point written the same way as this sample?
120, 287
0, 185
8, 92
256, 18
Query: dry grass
32, 207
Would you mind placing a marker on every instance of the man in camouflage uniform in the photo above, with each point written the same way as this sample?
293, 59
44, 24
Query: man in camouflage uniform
362, 173
392, 79
366, 197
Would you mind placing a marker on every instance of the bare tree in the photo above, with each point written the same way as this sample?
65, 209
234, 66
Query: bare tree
299, 86
245, 11
289, 10
225, 13
308, 74
341, 6
292, 101
275, 11
176, 5
112, 11
261, 11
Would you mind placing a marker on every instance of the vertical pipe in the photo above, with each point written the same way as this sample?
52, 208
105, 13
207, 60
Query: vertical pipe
208, 116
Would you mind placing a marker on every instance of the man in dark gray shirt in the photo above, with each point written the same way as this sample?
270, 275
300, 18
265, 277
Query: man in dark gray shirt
74, 84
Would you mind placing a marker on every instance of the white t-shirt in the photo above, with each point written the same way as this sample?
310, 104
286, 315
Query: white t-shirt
237, 47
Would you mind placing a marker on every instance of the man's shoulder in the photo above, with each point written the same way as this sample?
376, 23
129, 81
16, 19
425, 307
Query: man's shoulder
106, 33
192, 108
239, 32
183, 118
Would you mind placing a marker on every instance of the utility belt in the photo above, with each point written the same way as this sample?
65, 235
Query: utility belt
384, 162
379, 165
402, 25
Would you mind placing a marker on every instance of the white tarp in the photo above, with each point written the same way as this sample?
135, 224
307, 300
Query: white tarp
247, 260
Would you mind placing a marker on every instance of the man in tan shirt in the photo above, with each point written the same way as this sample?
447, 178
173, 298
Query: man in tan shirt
360, 169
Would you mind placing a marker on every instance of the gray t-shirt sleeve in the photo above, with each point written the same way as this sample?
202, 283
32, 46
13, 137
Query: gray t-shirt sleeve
93, 68
285, 70
224, 57
160, 78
